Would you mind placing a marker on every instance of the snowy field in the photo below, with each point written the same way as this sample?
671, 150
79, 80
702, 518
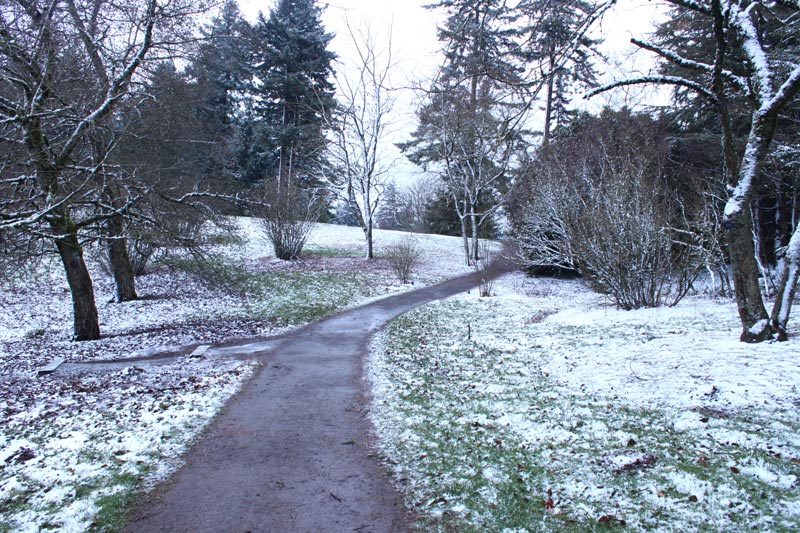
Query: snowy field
541, 408
545, 409
75, 448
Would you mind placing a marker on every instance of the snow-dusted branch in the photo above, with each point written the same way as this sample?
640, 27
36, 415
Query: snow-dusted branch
693, 5
681, 61
659, 80
116, 88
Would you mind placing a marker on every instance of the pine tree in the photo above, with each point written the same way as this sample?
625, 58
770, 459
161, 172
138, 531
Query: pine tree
293, 67
389, 208
466, 128
547, 26
221, 73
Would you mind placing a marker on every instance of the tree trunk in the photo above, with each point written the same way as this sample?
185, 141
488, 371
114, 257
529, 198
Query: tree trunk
741, 251
786, 288
462, 218
368, 233
120, 261
548, 113
86, 325
474, 228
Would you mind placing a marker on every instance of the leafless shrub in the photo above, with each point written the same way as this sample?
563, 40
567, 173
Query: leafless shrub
481, 266
288, 222
403, 257
620, 237
607, 213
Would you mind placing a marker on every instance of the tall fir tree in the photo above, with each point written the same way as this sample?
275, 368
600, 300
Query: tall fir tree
466, 128
221, 73
546, 27
293, 92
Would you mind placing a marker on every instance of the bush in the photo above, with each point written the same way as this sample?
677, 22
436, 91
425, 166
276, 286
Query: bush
598, 202
482, 268
403, 257
288, 222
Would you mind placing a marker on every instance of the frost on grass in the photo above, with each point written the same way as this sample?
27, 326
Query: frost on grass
70, 445
75, 448
556, 412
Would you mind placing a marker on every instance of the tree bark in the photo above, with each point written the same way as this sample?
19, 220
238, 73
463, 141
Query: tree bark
86, 324
120, 261
118, 257
786, 288
462, 218
548, 113
368, 232
473, 218
741, 251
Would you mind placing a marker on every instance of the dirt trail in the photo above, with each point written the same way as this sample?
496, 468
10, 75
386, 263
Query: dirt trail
291, 451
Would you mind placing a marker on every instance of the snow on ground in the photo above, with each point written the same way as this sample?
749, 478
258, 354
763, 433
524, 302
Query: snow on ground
74, 448
441, 257
544, 408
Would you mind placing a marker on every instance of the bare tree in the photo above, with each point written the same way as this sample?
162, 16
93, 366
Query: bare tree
770, 83
65, 66
358, 162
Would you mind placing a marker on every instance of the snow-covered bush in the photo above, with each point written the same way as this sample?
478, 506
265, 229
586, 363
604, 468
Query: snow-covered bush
598, 202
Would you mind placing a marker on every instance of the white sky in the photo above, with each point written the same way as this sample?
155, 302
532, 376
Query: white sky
415, 50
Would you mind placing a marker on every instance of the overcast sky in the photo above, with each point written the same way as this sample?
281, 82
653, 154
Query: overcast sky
416, 49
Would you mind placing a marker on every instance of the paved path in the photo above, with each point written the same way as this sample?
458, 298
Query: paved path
291, 452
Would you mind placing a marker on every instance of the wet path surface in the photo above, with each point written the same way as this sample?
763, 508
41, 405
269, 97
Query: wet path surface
290, 452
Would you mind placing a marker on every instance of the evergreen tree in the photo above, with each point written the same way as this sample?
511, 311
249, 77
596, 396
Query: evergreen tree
390, 207
547, 26
293, 93
221, 73
466, 128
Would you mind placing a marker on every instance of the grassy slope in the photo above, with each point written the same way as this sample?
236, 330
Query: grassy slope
540, 422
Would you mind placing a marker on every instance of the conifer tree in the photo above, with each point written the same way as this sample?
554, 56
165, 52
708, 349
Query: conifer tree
221, 73
546, 26
293, 92
467, 128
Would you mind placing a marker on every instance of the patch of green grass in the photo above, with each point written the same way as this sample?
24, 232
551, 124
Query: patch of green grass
324, 251
489, 444
115, 507
284, 298
298, 297
14, 502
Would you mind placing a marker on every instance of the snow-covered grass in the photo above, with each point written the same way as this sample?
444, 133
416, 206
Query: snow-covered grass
74, 449
545, 409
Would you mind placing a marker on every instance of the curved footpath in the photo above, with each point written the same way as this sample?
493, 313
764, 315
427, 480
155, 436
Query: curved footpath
291, 451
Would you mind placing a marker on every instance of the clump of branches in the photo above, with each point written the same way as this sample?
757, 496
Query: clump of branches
482, 266
598, 202
288, 221
141, 253
403, 257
